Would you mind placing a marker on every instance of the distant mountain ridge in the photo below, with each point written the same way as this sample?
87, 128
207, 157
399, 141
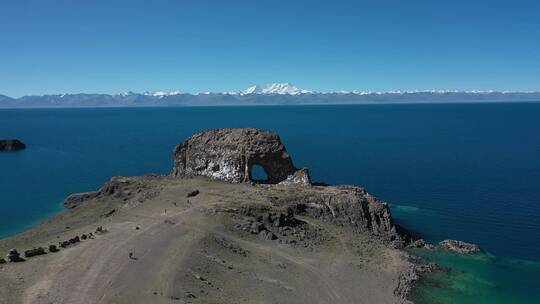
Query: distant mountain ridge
272, 94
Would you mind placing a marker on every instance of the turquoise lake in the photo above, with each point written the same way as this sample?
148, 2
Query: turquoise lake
460, 171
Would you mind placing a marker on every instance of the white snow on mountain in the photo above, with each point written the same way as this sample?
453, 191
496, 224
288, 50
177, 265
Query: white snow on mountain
162, 94
275, 88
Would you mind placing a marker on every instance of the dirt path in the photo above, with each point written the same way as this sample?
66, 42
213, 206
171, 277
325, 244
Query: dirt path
86, 273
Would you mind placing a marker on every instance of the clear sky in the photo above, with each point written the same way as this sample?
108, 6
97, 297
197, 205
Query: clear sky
193, 46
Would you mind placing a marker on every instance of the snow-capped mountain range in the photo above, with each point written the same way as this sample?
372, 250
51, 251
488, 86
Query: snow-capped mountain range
271, 94
275, 88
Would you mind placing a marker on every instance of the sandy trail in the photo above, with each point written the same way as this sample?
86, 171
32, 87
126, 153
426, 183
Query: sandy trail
90, 269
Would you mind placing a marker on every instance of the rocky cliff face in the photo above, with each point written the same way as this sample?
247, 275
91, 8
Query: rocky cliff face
343, 205
11, 145
230, 154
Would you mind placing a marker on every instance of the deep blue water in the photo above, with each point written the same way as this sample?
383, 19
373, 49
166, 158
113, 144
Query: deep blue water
462, 171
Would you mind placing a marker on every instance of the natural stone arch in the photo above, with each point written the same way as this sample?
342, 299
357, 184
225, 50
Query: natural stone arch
230, 154
258, 174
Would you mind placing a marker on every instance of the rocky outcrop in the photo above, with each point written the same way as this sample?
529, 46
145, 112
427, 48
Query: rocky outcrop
460, 247
421, 243
74, 200
11, 145
344, 205
408, 279
300, 177
230, 154
119, 187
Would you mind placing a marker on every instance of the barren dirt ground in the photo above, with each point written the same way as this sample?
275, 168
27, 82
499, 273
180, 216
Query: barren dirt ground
193, 250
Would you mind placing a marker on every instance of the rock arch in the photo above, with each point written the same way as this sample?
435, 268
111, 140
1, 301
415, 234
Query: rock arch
230, 154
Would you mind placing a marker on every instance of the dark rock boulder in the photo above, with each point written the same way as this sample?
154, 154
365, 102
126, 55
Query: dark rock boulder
53, 248
193, 193
460, 247
230, 154
14, 256
2, 261
11, 145
74, 240
34, 252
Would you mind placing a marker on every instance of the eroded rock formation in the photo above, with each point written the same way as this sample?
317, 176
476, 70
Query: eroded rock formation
11, 145
230, 154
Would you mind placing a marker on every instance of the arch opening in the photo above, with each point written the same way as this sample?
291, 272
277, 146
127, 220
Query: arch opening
258, 174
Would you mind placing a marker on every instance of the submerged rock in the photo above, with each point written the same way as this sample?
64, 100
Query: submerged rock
460, 247
230, 154
11, 145
421, 243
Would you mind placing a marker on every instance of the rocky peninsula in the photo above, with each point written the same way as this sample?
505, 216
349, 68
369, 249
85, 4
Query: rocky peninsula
11, 145
210, 233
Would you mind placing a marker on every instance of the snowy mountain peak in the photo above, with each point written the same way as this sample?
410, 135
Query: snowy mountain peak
161, 94
275, 88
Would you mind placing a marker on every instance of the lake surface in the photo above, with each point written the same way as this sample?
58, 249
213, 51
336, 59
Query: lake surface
460, 171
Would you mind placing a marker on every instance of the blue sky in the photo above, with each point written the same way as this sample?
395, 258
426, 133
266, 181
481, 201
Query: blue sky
115, 46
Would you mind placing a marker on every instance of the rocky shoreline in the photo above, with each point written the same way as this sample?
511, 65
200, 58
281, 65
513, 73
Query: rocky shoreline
287, 212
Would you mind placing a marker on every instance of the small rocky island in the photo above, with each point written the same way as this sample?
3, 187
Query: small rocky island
11, 145
210, 233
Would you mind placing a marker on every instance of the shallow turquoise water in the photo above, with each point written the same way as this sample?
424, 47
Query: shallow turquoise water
462, 171
482, 278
